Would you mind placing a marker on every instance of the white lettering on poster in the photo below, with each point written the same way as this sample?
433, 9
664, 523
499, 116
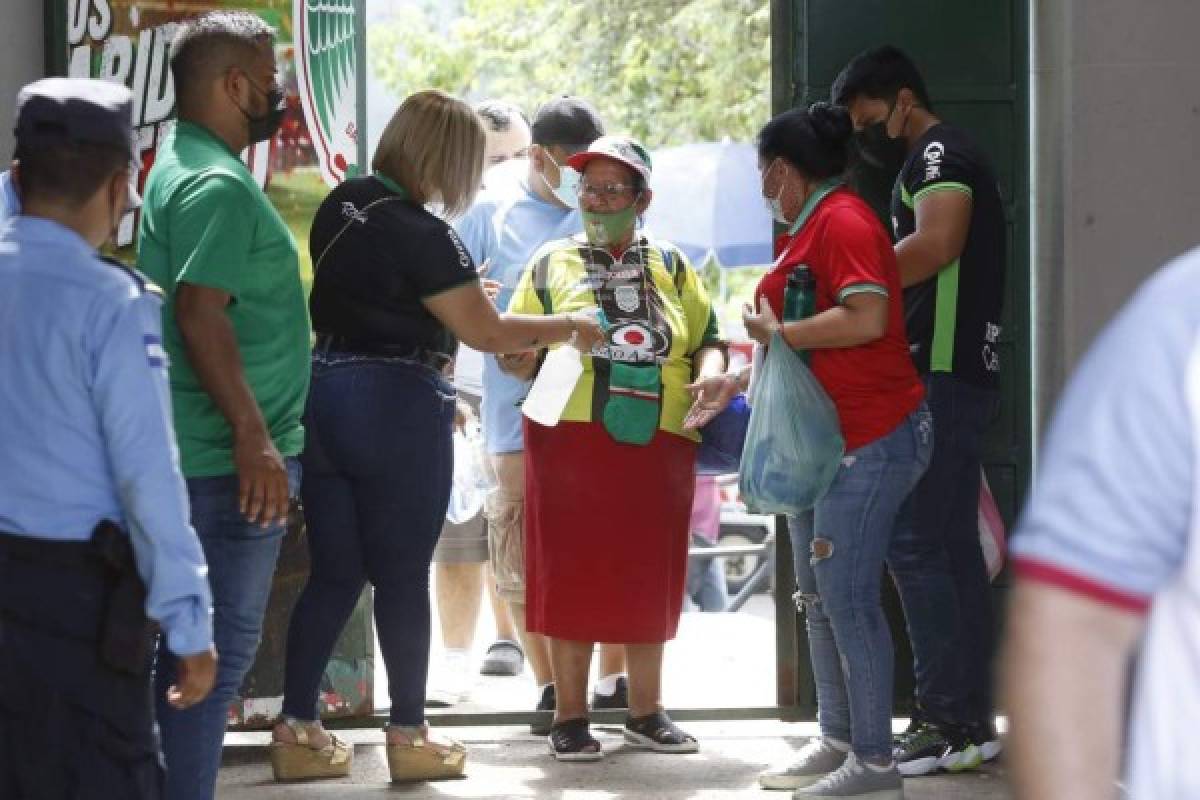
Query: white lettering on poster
91, 17
143, 66
116, 60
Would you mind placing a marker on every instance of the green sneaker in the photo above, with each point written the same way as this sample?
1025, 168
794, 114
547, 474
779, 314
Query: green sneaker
919, 750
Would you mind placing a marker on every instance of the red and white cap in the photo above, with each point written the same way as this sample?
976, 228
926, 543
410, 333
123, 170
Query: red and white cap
622, 149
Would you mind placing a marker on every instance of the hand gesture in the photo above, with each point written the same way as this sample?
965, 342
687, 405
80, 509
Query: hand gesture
761, 326
711, 396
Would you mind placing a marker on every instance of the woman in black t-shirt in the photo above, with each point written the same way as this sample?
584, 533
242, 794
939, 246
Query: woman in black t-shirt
393, 290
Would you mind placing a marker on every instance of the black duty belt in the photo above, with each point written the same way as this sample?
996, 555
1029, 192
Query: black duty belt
363, 347
117, 622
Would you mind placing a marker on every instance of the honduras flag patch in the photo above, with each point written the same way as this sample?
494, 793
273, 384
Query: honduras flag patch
155, 354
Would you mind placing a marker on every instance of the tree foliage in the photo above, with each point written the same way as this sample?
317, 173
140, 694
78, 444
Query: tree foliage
665, 71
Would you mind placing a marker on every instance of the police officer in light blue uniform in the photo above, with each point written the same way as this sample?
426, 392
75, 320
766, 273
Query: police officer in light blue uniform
94, 536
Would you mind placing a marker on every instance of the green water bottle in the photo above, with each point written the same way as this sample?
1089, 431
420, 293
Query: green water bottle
800, 297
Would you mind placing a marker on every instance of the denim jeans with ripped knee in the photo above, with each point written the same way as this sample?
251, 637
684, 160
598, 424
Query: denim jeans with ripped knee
839, 549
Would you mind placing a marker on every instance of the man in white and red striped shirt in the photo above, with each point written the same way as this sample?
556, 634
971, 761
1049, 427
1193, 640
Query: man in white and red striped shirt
1108, 567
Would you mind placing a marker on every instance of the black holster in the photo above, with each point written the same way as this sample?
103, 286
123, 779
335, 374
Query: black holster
125, 631
102, 572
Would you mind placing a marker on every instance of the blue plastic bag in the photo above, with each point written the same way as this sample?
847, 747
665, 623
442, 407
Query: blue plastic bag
720, 452
794, 444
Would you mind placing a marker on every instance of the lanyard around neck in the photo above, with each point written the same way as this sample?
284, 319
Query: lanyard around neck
391, 184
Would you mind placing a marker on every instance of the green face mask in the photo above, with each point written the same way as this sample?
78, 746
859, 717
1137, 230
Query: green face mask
606, 230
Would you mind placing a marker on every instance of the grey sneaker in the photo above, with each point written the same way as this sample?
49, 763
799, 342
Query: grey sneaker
816, 759
854, 780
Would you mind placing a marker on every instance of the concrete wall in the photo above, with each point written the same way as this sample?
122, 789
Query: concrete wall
21, 60
1116, 162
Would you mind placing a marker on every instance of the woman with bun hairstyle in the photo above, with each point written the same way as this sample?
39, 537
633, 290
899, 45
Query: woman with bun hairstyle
858, 351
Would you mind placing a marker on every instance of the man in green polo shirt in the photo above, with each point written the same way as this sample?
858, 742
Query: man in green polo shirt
235, 326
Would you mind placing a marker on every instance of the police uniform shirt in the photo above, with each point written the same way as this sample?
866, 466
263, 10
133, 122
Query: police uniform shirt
85, 417
953, 318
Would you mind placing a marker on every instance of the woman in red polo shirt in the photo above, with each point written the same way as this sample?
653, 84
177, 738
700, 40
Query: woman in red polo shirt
859, 352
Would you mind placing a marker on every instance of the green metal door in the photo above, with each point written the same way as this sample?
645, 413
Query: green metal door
974, 59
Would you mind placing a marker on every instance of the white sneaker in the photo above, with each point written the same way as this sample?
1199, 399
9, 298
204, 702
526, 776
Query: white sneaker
816, 759
451, 682
855, 780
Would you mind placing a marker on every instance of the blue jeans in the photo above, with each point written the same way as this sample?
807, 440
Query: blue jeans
241, 559
706, 590
377, 475
938, 566
839, 550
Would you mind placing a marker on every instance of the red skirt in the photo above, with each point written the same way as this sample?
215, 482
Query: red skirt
606, 533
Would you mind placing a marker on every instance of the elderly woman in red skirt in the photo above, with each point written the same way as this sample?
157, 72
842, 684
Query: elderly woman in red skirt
609, 488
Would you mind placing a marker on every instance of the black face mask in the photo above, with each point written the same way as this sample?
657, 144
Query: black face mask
265, 127
880, 150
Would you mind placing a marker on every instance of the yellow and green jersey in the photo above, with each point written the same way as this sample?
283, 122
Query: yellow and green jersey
656, 306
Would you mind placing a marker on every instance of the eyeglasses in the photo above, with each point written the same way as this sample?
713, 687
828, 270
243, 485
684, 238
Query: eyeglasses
609, 192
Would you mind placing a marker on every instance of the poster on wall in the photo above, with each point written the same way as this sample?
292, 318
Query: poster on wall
319, 45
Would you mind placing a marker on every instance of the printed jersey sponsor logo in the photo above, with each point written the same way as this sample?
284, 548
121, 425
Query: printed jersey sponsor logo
636, 342
991, 352
464, 260
934, 153
351, 212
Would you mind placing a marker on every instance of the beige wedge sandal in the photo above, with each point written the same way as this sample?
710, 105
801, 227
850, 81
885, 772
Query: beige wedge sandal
301, 761
421, 760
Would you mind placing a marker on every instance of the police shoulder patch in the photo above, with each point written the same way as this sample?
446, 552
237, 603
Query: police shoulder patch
144, 284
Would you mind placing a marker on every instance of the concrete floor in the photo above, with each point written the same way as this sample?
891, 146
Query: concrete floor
721, 660
506, 762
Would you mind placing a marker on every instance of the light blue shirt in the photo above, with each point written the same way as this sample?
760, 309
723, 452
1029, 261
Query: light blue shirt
505, 227
85, 417
10, 204
1112, 508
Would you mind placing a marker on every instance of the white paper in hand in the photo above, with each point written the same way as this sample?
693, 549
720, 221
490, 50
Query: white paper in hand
553, 386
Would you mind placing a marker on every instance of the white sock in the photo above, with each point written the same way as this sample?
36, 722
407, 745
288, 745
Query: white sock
457, 657
877, 768
608, 684
837, 744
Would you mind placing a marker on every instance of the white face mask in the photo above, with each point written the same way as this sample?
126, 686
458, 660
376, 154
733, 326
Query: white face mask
567, 190
775, 204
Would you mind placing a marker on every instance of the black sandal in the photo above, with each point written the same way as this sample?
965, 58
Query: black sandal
571, 740
659, 733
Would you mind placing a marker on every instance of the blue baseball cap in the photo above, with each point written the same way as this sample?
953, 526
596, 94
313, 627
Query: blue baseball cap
58, 110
